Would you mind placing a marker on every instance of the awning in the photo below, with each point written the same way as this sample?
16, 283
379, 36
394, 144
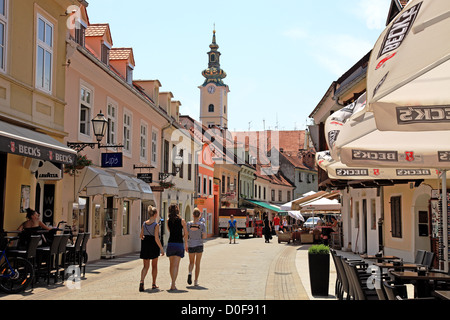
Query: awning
146, 191
322, 205
25, 142
264, 205
296, 215
97, 181
128, 188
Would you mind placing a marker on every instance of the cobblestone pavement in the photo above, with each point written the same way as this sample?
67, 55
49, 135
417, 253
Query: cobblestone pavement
247, 270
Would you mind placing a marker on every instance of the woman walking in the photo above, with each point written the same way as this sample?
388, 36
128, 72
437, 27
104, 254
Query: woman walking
197, 233
232, 229
177, 242
151, 247
267, 229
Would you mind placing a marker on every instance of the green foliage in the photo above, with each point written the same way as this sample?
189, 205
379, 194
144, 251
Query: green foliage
319, 249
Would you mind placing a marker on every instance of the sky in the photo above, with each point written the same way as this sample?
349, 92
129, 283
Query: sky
280, 56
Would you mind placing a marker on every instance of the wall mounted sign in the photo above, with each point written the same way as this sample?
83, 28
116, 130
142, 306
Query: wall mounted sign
110, 160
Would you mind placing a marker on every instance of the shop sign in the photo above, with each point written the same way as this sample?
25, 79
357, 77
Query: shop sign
110, 160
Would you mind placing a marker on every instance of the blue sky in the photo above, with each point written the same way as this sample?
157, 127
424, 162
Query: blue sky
280, 56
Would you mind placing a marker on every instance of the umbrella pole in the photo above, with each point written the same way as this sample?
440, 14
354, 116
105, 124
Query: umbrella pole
445, 218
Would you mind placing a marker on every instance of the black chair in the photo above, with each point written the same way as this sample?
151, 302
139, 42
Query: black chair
47, 259
338, 286
358, 282
428, 259
420, 256
83, 253
29, 253
61, 256
74, 250
394, 290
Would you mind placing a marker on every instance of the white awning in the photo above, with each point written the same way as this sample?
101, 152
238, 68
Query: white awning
97, 181
146, 191
128, 188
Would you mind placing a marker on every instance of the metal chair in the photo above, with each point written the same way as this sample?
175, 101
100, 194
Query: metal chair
420, 256
47, 258
83, 253
30, 252
61, 256
428, 259
74, 250
393, 290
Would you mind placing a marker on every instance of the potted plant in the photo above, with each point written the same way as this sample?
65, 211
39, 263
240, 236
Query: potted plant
166, 185
81, 162
319, 269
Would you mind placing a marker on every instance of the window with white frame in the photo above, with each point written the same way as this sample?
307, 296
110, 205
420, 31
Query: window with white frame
127, 132
44, 54
3, 33
112, 123
143, 145
154, 146
85, 110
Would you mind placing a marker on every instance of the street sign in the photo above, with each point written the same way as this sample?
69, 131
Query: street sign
157, 189
146, 177
113, 159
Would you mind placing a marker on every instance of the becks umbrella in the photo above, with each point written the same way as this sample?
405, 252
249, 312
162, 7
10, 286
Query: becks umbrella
408, 77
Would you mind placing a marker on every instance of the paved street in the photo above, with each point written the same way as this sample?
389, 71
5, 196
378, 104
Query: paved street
247, 270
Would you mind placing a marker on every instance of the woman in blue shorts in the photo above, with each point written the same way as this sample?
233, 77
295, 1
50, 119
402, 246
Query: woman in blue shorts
177, 243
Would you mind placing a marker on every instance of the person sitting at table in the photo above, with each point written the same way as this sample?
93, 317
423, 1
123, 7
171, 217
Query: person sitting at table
30, 227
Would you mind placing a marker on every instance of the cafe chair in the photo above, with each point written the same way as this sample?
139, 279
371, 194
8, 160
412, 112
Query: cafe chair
338, 286
73, 250
358, 282
61, 256
29, 253
420, 256
428, 259
47, 259
393, 290
83, 253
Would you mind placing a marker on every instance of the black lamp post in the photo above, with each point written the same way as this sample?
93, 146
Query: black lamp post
100, 126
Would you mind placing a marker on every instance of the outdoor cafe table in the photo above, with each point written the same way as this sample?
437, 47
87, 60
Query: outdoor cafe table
421, 282
391, 265
442, 294
379, 259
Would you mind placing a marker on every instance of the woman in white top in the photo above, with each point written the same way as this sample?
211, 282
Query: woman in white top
196, 235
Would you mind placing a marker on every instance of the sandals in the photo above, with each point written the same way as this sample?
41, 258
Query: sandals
154, 286
141, 287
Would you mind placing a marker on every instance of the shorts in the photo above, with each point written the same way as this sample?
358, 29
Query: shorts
175, 249
198, 249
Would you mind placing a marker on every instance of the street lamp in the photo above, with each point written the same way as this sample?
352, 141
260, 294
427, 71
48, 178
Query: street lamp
100, 126
178, 162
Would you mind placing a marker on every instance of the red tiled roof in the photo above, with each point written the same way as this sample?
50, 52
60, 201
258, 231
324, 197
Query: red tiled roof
96, 30
120, 53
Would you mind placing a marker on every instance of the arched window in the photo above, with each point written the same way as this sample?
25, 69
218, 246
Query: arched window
211, 108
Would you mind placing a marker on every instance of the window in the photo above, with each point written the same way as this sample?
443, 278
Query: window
3, 33
154, 146
80, 31
105, 53
211, 108
126, 218
143, 146
280, 195
396, 216
85, 110
223, 184
273, 195
199, 185
264, 193
189, 167
166, 156
205, 186
44, 54
83, 216
127, 132
373, 214
112, 124
182, 164
288, 196
300, 176
129, 75
210, 187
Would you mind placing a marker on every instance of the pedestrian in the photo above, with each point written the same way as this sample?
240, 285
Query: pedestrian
151, 246
177, 243
276, 223
196, 235
266, 228
232, 228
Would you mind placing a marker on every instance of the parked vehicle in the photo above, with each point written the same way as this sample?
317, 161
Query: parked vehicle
311, 222
245, 221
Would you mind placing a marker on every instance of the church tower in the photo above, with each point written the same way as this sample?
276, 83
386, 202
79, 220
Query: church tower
214, 92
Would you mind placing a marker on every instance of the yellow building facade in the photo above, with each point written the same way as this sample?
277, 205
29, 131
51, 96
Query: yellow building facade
32, 106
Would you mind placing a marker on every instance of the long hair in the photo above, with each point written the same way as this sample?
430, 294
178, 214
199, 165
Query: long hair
30, 213
174, 212
152, 211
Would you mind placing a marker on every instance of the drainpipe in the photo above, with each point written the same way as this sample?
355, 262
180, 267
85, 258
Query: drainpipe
444, 218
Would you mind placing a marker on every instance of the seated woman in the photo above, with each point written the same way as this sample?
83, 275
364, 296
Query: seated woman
30, 227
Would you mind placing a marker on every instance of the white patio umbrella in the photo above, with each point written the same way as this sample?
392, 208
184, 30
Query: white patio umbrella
408, 74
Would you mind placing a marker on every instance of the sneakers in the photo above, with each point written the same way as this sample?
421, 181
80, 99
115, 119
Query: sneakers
189, 279
141, 287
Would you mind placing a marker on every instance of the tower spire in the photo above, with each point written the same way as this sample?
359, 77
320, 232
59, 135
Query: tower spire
214, 74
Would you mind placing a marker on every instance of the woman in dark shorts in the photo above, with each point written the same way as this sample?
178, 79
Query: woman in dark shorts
197, 233
177, 243
151, 246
